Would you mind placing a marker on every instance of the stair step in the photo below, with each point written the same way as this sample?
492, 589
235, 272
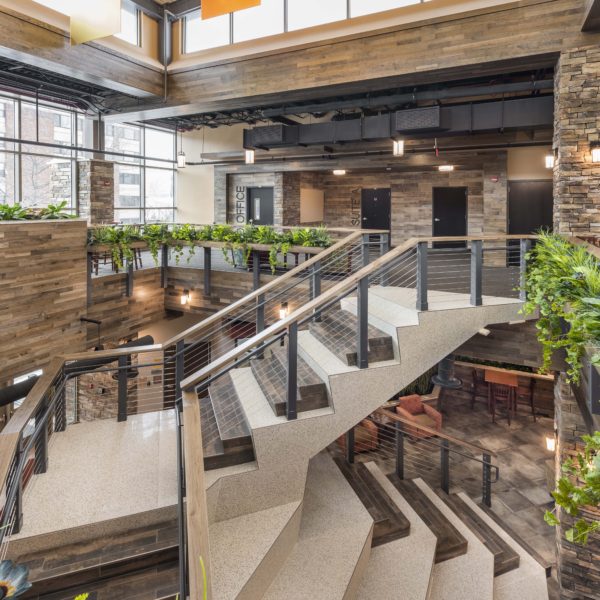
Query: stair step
229, 414
334, 542
390, 523
505, 557
271, 374
103, 567
337, 330
450, 542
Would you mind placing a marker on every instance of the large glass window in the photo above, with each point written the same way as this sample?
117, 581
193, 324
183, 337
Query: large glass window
367, 7
45, 180
260, 21
130, 24
202, 34
308, 13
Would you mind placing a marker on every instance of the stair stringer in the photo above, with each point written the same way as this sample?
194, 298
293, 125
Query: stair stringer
283, 448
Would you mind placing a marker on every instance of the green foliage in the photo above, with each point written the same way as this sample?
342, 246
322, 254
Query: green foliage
237, 241
579, 487
82, 597
563, 283
16, 212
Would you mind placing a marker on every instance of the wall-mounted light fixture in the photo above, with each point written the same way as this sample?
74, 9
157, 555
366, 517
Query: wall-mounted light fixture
185, 297
339, 172
595, 152
284, 310
446, 168
551, 442
250, 157
398, 147
549, 161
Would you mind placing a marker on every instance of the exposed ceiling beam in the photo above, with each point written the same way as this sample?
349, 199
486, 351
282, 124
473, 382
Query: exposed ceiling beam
591, 19
181, 7
149, 7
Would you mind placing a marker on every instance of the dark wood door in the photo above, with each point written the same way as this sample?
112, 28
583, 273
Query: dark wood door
376, 208
449, 214
530, 206
260, 206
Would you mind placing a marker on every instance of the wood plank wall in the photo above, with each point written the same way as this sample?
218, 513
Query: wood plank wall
42, 293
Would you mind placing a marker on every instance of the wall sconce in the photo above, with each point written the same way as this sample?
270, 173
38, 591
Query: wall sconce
250, 157
595, 152
549, 161
551, 443
339, 172
185, 297
283, 311
398, 147
446, 168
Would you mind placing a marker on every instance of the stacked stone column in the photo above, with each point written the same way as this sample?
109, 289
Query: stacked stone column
96, 185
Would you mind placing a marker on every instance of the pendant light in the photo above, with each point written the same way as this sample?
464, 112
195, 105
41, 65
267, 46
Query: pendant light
398, 148
250, 157
181, 154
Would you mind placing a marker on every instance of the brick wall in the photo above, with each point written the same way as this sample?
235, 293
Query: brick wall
578, 566
576, 126
96, 189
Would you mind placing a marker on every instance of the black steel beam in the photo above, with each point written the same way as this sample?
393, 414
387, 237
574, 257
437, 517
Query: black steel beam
149, 7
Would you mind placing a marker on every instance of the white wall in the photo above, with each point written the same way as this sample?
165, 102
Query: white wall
528, 163
196, 184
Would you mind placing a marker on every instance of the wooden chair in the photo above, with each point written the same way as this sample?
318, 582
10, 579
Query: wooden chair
502, 394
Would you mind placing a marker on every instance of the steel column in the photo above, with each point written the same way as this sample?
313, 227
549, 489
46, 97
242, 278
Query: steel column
445, 466
41, 443
292, 372
129, 278
256, 269
525, 246
207, 270
90, 265
350, 446
399, 450
422, 276
476, 272
179, 368
362, 355
486, 496
164, 265
122, 388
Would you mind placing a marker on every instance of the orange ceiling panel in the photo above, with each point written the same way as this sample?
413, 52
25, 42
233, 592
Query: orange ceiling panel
214, 8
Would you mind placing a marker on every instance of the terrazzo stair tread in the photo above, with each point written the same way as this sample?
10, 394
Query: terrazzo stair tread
337, 330
401, 569
517, 540
390, 523
505, 557
229, 414
271, 374
529, 580
450, 542
248, 551
334, 542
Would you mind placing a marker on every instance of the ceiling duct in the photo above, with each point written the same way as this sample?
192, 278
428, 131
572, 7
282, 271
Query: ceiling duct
523, 113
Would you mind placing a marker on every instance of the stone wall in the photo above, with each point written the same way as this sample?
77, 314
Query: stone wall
42, 293
96, 185
246, 180
576, 127
578, 566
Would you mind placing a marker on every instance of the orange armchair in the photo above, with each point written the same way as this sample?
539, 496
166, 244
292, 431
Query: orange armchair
413, 409
366, 437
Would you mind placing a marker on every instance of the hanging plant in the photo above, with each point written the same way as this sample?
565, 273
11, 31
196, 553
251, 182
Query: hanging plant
155, 236
577, 489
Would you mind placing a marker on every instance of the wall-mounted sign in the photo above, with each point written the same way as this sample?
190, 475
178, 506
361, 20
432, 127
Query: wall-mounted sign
214, 8
240, 204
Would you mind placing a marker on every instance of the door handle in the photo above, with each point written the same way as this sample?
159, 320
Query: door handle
437, 220
364, 218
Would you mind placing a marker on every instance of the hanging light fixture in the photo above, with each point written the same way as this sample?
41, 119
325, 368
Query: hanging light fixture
398, 147
181, 154
339, 172
549, 161
250, 157
446, 168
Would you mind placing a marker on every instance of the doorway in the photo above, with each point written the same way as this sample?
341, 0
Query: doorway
376, 208
449, 214
260, 205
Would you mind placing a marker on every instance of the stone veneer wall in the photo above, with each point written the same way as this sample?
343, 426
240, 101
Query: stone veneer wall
576, 126
233, 180
42, 293
96, 188
578, 566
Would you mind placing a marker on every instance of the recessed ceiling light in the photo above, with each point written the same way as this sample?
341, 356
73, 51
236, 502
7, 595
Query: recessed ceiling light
446, 168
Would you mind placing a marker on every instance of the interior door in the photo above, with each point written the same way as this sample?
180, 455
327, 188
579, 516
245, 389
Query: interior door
449, 214
260, 205
376, 208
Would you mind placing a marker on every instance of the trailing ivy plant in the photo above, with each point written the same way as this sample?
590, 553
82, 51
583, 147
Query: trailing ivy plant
563, 283
577, 489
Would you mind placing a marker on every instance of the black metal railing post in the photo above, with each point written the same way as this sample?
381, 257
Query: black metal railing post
41, 442
422, 276
399, 450
60, 410
179, 368
129, 278
366, 247
255, 269
183, 583
18, 480
315, 286
164, 265
122, 388
89, 284
350, 446
525, 246
445, 464
362, 312
384, 248
486, 495
207, 265
292, 371
476, 272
